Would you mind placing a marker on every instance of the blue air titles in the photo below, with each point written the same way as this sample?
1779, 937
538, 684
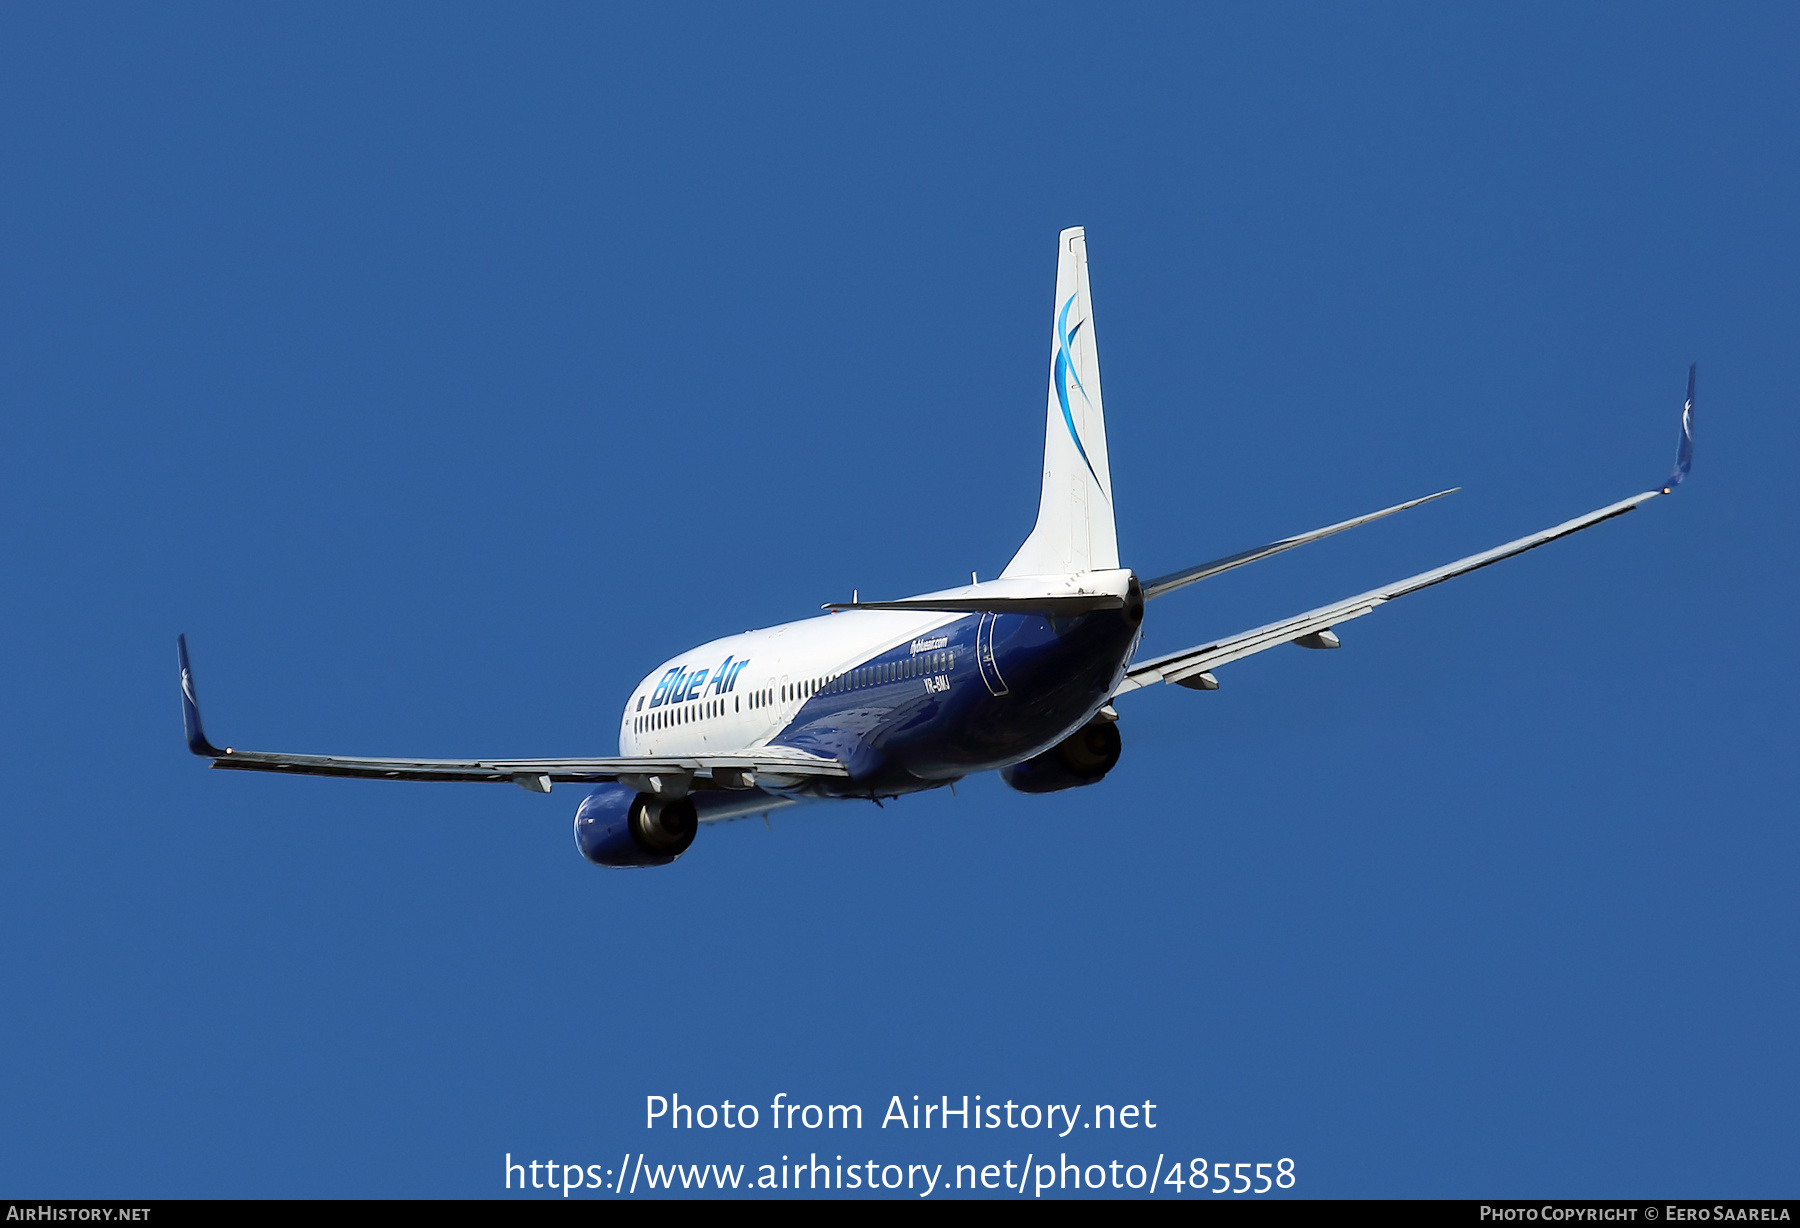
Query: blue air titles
682, 684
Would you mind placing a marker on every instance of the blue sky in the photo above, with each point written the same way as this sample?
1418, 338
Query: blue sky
440, 370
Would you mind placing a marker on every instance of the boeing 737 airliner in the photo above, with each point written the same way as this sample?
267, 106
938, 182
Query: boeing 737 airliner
881, 698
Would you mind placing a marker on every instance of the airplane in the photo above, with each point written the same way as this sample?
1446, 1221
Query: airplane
879, 699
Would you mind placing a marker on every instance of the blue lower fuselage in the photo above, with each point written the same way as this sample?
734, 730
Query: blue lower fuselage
1019, 685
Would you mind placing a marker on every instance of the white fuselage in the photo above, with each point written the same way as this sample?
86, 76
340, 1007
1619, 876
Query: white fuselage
780, 668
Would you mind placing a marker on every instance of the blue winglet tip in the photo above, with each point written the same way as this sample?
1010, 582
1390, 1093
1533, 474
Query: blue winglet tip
1684, 453
190, 707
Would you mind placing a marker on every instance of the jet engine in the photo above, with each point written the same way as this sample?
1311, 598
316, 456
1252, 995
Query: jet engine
617, 826
1082, 758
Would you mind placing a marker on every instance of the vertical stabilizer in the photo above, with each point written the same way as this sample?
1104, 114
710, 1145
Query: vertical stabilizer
1074, 530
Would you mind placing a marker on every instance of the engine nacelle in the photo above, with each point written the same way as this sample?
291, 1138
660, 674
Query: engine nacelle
617, 826
1082, 758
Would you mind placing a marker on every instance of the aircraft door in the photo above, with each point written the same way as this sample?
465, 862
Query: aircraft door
984, 655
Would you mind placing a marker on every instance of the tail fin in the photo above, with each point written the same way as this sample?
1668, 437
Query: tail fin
1074, 530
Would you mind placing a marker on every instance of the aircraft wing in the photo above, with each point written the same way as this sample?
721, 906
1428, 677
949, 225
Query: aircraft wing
1191, 666
736, 770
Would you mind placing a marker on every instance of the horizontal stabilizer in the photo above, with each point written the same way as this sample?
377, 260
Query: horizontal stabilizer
1179, 579
1051, 607
1052, 596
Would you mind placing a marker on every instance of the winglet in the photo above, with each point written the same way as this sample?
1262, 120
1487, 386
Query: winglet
190, 708
1684, 455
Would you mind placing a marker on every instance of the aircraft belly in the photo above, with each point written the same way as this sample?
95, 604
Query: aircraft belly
920, 733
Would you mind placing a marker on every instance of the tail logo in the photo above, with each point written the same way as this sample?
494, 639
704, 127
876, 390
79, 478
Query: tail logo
1063, 372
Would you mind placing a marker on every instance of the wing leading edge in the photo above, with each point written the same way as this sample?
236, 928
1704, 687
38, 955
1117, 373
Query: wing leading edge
735, 770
